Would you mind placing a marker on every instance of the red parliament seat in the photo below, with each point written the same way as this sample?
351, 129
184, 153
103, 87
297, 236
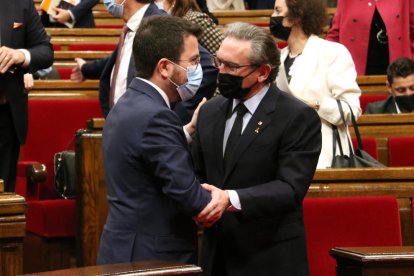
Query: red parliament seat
400, 151
64, 73
348, 222
368, 98
52, 126
369, 144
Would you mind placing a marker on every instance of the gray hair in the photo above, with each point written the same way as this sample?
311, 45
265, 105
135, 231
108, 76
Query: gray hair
263, 49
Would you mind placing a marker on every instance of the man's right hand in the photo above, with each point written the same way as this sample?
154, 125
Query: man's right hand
76, 75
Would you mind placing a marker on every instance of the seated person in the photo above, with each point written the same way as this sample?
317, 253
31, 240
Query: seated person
400, 85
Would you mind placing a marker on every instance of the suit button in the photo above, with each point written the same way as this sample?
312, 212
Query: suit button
352, 39
399, 38
369, 4
354, 20
397, 15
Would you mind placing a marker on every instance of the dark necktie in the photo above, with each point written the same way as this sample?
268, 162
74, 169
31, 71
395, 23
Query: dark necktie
125, 30
235, 132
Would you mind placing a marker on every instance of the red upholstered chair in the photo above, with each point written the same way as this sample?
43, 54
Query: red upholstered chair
92, 47
109, 26
64, 73
348, 222
57, 47
52, 127
367, 98
400, 151
370, 145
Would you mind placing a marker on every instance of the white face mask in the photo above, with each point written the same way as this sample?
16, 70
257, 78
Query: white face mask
194, 77
117, 10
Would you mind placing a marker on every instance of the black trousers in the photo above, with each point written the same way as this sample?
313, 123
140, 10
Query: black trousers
9, 148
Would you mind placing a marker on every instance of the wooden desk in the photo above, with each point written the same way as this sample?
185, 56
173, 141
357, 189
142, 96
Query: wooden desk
374, 261
67, 58
374, 84
12, 232
144, 268
64, 89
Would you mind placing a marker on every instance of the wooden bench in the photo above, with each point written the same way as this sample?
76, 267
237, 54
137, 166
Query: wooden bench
92, 203
12, 232
67, 58
374, 84
64, 89
142, 268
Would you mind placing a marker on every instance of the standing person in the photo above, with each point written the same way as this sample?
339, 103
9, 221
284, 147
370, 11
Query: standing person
77, 16
110, 88
266, 170
375, 32
400, 85
316, 71
152, 189
25, 47
211, 37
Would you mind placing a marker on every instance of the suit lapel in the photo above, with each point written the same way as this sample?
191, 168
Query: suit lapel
259, 121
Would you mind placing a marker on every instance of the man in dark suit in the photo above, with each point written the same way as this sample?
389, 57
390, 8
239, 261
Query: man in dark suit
78, 16
134, 11
152, 189
25, 47
400, 85
261, 145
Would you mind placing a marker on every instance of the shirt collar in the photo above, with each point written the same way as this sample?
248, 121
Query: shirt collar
134, 22
253, 102
162, 93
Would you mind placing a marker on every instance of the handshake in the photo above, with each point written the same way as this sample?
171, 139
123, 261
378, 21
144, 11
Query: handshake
219, 203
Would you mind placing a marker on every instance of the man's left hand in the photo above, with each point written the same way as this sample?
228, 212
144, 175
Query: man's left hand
9, 57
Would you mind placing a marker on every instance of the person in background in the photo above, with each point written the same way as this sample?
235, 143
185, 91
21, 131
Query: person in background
261, 145
260, 5
400, 85
78, 15
24, 47
211, 37
153, 192
375, 32
111, 89
316, 71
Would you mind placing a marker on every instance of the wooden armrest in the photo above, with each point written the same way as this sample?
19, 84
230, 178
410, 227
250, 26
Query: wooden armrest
36, 172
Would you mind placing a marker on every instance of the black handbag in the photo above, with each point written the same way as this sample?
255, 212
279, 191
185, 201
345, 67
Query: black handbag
356, 159
65, 174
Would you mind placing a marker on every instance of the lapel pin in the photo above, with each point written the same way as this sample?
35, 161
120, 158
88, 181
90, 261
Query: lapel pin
257, 130
260, 123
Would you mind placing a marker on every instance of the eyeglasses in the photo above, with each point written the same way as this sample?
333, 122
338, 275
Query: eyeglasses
402, 89
193, 62
230, 66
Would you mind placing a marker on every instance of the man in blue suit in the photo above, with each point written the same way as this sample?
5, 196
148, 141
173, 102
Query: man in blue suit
153, 192
132, 12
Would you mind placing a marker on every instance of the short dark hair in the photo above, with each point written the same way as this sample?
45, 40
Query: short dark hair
401, 67
263, 47
310, 14
160, 37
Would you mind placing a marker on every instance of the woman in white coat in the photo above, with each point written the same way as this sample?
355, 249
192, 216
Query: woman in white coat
316, 71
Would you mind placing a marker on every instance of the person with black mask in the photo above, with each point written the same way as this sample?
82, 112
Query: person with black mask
400, 85
261, 145
316, 71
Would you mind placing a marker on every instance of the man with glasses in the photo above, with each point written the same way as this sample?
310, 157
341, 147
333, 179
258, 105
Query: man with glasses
261, 145
153, 192
400, 85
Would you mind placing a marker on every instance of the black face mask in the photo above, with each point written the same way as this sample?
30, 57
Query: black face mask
230, 86
405, 103
277, 29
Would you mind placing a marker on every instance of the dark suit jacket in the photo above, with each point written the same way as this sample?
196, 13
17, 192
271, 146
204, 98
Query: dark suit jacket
271, 171
31, 36
102, 69
82, 13
381, 107
152, 188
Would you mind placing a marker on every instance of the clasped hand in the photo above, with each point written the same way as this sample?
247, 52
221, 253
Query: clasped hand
220, 201
9, 57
